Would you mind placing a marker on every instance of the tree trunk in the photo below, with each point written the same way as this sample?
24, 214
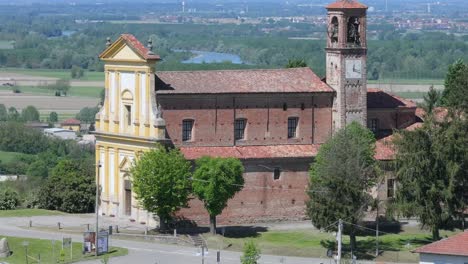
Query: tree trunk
162, 223
435, 233
213, 224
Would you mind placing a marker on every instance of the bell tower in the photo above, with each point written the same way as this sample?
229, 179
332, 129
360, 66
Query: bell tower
346, 61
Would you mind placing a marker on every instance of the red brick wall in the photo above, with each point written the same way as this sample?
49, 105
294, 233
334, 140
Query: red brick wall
214, 117
263, 198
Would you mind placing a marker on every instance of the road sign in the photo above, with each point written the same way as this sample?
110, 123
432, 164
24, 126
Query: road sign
66, 242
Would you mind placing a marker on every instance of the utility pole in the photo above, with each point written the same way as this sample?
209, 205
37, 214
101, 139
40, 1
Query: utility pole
338, 238
96, 209
377, 231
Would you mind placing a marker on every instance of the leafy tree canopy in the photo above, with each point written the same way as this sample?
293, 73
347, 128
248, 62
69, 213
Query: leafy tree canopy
251, 253
215, 181
341, 177
296, 63
455, 94
161, 181
30, 113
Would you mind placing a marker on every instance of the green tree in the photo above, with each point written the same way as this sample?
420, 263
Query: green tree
76, 72
61, 87
431, 100
215, 181
455, 93
251, 253
295, 63
29, 114
161, 180
70, 187
53, 117
13, 114
87, 114
3, 113
341, 177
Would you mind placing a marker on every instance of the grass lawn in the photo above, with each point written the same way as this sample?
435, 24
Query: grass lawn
408, 81
28, 213
79, 91
60, 74
6, 157
313, 243
51, 253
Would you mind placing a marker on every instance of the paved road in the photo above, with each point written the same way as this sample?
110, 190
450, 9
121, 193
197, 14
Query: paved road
139, 252
152, 253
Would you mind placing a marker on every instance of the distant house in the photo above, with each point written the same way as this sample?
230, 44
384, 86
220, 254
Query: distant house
37, 125
452, 250
60, 133
71, 124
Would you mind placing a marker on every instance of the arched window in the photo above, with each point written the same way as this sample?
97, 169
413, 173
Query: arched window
353, 36
333, 30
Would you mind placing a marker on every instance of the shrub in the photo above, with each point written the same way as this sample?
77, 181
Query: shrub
9, 199
251, 253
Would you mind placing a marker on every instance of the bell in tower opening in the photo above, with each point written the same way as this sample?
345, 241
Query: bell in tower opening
333, 30
354, 37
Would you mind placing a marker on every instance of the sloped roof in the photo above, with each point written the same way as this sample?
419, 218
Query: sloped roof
384, 150
456, 245
346, 4
252, 152
136, 45
379, 99
296, 80
71, 121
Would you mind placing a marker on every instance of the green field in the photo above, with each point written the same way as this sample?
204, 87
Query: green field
408, 81
411, 95
311, 243
28, 213
50, 252
60, 74
81, 91
6, 44
6, 157
44, 116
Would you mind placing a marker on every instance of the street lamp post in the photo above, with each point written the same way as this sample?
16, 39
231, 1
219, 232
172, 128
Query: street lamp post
98, 166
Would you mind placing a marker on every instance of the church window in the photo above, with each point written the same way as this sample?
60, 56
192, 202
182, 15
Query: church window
187, 126
292, 127
276, 173
239, 129
128, 114
390, 188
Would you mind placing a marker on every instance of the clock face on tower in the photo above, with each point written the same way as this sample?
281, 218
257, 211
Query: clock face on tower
353, 69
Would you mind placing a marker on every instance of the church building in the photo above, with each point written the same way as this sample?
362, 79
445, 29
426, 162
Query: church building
273, 120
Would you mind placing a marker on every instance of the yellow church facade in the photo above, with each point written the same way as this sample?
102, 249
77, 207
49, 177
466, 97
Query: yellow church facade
128, 123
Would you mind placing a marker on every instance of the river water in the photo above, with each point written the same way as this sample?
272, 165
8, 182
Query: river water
211, 57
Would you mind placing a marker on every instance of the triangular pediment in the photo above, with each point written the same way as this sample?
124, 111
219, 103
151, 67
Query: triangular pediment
121, 50
125, 164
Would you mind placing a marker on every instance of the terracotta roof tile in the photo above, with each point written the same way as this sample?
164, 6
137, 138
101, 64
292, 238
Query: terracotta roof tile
346, 4
439, 112
384, 151
456, 245
252, 152
379, 99
136, 45
139, 47
71, 121
297, 80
